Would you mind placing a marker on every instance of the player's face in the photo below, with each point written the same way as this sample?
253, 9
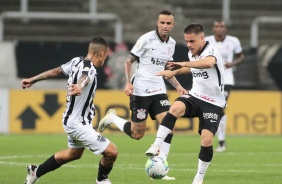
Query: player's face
103, 57
165, 24
194, 42
219, 29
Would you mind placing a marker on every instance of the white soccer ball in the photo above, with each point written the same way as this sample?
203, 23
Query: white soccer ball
156, 167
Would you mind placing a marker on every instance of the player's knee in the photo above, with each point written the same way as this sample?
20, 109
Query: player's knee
176, 110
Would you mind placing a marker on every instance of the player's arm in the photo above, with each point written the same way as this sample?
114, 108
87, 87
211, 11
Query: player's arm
238, 59
26, 83
174, 82
207, 62
127, 66
76, 89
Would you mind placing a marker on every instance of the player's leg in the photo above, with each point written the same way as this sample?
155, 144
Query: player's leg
52, 163
221, 132
166, 127
106, 163
221, 135
134, 128
209, 116
205, 155
98, 144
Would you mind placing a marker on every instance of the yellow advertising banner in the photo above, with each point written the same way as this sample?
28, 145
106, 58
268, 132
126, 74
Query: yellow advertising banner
254, 113
40, 111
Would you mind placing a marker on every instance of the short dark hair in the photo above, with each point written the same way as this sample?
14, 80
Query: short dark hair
99, 40
194, 28
166, 12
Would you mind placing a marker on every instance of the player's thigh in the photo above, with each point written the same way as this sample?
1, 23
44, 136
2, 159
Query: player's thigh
209, 116
159, 105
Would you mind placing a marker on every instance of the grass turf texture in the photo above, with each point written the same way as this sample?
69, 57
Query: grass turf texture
248, 160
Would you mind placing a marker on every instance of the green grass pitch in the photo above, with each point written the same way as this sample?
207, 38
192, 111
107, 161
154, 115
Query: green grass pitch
248, 160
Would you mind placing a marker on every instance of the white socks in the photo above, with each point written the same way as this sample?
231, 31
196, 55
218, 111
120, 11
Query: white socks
119, 122
161, 135
202, 168
164, 150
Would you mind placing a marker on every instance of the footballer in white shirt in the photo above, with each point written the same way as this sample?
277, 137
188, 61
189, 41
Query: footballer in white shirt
205, 99
147, 91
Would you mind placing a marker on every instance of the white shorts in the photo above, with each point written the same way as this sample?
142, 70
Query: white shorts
84, 136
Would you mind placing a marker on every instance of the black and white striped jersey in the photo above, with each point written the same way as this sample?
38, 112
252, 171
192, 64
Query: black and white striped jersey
208, 84
80, 109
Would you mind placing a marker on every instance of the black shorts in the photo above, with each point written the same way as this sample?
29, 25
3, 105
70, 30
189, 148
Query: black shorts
209, 115
141, 106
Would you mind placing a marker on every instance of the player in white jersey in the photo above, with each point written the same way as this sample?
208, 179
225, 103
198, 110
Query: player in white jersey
205, 100
229, 46
147, 91
81, 89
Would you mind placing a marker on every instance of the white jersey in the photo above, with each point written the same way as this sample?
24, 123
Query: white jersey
228, 47
208, 84
152, 54
80, 109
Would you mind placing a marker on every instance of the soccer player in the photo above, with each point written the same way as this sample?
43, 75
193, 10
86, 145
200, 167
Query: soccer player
229, 46
81, 89
205, 100
147, 91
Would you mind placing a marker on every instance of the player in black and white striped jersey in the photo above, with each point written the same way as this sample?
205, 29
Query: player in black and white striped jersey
77, 118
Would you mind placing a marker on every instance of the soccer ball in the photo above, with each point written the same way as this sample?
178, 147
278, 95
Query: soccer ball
156, 167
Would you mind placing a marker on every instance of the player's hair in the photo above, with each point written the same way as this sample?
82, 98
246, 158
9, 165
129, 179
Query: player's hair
97, 44
194, 28
166, 12
99, 40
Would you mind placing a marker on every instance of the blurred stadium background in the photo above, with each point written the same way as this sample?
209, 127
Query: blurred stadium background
36, 35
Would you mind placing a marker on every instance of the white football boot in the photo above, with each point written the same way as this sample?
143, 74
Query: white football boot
220, 148
104, 181
106, 121
31, 175
166, 177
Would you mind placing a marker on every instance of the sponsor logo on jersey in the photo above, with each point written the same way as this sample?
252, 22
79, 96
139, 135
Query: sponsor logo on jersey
210, 115
141, 113
165, 103
158, 62
153, 90
203, 74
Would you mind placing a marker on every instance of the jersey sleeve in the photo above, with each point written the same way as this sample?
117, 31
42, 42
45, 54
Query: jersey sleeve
138, 49
66, 68
237, 49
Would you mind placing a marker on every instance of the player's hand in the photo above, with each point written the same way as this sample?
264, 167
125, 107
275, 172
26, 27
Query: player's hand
26, 83
74, 89
128, 89
175, 65
166, 73
228, 65
182, 91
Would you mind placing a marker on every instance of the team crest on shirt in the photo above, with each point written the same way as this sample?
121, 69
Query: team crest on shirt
141, 113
